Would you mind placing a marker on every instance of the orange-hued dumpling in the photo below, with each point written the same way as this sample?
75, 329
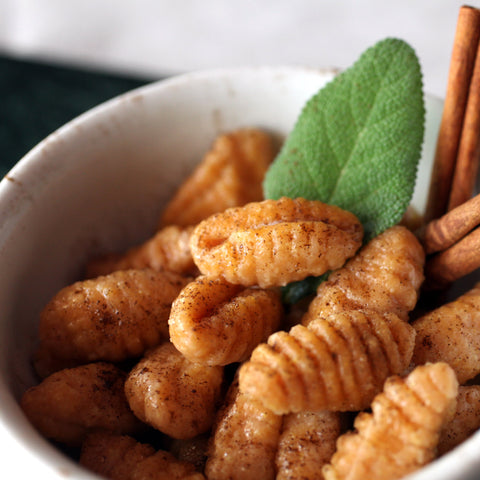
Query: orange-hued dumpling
173, 394
230, 174
402, 432
216, 323
451, 333
120, 457
385, 276
244, 440
168, 249
307, 442
337, 363
111, 318
71, 403
466, 420
275, 242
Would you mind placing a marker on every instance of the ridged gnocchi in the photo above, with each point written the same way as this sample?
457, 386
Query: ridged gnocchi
451, 334
307, 442
229, 175
244, 440
465, 422
120, 457
337, 363
112, 318
402, 432
70, 404
168, 249
385, 275
216, 323
172, 394
275, 242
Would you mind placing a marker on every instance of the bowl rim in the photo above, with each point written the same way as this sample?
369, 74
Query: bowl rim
465, 455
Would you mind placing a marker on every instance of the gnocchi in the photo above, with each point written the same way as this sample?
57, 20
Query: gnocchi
70, 404
229, 175
275, 242
120, 457
244, 440
402, 432
216, 323
168, 249
337, 363
450, 334
172, 394
112, 318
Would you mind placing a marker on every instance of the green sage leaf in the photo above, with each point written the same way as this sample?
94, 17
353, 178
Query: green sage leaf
357, 142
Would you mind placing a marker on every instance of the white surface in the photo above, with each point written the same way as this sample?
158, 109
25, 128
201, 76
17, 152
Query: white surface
160, 37
108, 164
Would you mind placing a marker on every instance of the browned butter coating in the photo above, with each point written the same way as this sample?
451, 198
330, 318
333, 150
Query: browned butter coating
120, 457
217, 323
275, 242
402, 432
244, 440
112, 318
451, 333
229, 175
173, 394
72, 403
307, 442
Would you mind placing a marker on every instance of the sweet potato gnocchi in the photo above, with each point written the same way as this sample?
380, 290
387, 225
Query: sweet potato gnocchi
465, 421
168, 249
121, 457
172, 394
337, 363
178, 359
451, 334
244, 440
385, 276
229, 175
307, 442
402, 432
275, 242
112, 318
72, 403
217, 323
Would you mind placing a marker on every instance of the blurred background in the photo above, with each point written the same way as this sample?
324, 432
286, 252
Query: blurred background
58, 58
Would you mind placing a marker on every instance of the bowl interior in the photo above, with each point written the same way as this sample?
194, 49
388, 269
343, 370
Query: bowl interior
98, 185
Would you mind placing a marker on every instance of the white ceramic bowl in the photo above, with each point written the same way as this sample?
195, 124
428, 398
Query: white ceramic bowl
99, 183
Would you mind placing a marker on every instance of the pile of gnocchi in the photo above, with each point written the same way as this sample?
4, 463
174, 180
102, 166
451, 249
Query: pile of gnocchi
178, 359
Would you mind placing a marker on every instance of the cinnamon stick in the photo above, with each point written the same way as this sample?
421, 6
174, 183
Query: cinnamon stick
466, 167
443, 232
462, 62
457, 261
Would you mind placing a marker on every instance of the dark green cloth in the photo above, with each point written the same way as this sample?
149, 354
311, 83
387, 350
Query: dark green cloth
37, 98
